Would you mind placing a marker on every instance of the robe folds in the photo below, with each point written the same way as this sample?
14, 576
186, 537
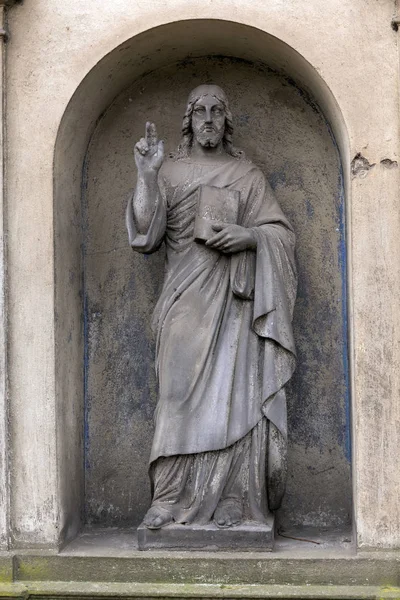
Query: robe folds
224, 342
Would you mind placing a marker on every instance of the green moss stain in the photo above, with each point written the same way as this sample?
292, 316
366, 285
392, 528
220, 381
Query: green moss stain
6, 570
36, 570
389, 593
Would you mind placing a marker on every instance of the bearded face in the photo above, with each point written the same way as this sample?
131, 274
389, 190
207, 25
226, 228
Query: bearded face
208, 121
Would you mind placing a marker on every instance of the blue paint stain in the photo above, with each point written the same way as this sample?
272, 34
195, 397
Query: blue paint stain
345, 315
242, 120
309, 209
345, 438
85, 384
84, 227
277, 178
342, 253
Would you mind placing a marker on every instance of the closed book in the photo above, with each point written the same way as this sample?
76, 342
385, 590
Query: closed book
215, 206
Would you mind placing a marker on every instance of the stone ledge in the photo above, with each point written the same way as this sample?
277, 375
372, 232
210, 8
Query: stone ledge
204, 591
222, 568
370, 575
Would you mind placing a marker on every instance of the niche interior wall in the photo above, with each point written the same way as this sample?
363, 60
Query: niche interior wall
104, 295
282, 130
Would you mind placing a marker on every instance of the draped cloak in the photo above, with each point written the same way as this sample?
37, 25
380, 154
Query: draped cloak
224, 346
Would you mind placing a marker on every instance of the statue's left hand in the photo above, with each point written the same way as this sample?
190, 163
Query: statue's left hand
232, 238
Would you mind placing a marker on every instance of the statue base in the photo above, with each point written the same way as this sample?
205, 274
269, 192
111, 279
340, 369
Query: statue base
247, 537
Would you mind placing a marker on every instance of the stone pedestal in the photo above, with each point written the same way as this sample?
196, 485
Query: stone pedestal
246, 537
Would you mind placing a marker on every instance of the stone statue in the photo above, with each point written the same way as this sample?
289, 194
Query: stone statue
224, 346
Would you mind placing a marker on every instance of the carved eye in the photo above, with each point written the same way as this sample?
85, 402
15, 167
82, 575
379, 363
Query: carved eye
199, 109
217, 111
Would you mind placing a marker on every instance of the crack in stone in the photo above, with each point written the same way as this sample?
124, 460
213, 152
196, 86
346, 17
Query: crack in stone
389, 164
360, 166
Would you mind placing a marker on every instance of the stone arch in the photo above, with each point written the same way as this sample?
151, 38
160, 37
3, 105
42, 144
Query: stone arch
141, 54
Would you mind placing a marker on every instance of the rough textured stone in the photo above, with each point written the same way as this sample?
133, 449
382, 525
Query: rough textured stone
6, 568
79, 591
262, 568
42, 591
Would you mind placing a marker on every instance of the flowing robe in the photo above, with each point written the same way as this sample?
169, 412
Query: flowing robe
224, 348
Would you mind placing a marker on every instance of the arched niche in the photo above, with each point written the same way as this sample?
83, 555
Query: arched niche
104, 90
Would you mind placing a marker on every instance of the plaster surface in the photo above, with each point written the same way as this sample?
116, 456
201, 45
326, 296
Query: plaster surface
4, 449
52, 47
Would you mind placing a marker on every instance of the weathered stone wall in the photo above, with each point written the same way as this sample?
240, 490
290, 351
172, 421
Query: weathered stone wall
346, 53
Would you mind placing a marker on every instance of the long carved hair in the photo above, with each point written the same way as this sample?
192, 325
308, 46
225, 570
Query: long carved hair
187, 132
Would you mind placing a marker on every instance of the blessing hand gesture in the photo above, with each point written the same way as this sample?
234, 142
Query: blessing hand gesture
149, 152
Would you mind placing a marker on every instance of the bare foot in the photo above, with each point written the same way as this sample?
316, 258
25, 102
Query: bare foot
156, 517
228, 513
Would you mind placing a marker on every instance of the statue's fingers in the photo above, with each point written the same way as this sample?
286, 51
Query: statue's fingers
157, 150
160, 148
215, 239
219, 226
218, 245
142, 146
223, 235
151, 134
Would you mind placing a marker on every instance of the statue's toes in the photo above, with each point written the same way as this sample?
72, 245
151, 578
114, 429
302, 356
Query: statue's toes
236, 519
157, 517
148, 521
228, 514
222, 518
156, 523
220, 521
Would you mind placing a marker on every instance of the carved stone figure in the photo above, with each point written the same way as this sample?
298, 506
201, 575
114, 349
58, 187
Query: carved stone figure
224, 347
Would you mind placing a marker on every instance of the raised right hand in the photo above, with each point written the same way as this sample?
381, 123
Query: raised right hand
149, 152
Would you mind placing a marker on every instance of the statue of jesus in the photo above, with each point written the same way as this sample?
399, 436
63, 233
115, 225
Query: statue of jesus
224, 342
